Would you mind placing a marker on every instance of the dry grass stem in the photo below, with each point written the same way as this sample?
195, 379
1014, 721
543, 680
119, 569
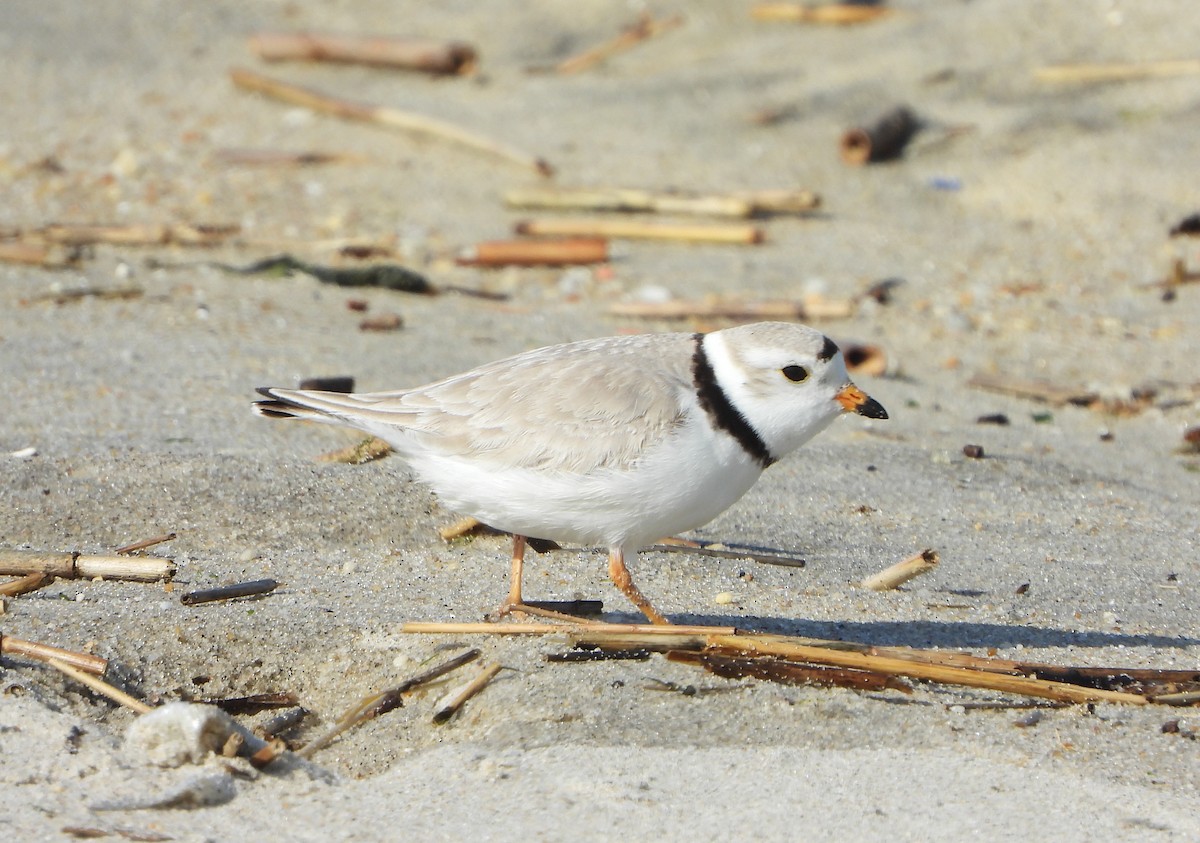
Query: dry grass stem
903, 571
460, 528
738, 310
645, 28
144, 543
100, 686
384, 116
617, 200
381, 703
1116, 72
10, 646
1038, 390
78, 565
175, 234
438, 57
457, 698
835, 14
639, 230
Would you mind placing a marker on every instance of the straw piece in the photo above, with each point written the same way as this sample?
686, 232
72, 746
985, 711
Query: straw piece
252, 588
812, 307
100, 686
654, 631
10, 646
903, 571
382, 115
438, 57
836, 14
639, 230
1116, 72
645, 27
457, 698
882, 140
1037, 390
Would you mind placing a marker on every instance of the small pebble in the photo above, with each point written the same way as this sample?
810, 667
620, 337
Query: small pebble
725, 598
975, 452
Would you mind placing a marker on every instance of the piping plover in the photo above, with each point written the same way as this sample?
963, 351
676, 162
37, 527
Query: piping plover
611, 442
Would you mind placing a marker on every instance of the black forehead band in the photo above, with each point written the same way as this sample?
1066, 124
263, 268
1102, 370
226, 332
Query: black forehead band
828, 350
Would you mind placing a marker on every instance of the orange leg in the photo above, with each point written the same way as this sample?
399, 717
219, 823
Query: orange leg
620, 577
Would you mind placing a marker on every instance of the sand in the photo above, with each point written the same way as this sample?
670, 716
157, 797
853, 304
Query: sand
1026, 221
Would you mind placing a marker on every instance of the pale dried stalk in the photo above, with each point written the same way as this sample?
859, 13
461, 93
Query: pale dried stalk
460, 528
182, 234
638, 230
1116, 72
810, 308
79, 565
440, 57
44, 652
563, 252
836, 14
896, 575
457, 698
101, 687
645, 28
620, 200
1038, 390
384, 116
144, 543
26, 584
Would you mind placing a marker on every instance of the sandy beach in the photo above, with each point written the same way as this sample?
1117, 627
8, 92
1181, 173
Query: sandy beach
1025, 227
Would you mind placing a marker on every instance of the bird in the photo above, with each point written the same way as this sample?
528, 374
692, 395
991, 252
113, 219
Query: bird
613, 442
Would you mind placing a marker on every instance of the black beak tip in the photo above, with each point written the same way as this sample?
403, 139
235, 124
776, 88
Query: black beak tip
872, 409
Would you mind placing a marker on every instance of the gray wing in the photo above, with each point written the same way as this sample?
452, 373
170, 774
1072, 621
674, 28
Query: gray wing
575, 408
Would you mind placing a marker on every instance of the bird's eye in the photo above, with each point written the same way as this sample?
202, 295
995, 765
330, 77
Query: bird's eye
796, 374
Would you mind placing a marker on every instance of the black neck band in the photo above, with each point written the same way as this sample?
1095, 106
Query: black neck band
721, 412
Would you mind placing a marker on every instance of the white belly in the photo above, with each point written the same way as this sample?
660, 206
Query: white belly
685, 483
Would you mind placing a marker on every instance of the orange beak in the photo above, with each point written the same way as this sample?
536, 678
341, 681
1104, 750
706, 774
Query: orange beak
854, 400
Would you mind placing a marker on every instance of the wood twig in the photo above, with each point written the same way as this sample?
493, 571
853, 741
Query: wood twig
620, 200
640, 230
384, 116
835, 14
100, 686
812, 307
437, 57
252, 588
74, 565
896, 575
645, 28
25, 584
1116, 71
45, 255
10, 646
560, 252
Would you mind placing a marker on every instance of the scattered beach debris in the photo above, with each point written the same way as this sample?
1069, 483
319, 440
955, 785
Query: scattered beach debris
384, 116
453, 702
441, 58
645, 28
86, 662
388, 276
974, 452
144, 543
368, 450
812, 307
1116, 71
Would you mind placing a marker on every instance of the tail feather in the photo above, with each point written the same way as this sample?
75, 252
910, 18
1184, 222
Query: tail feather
282, 407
